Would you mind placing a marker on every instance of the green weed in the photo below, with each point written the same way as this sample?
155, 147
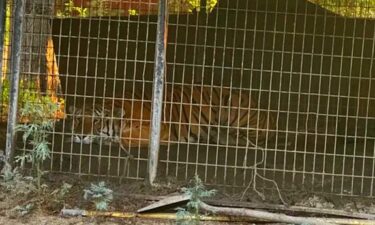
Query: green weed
191, 215
100, 195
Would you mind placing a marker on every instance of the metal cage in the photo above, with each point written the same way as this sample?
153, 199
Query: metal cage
253, 91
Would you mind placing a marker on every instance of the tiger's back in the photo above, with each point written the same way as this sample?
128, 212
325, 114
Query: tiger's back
218, 115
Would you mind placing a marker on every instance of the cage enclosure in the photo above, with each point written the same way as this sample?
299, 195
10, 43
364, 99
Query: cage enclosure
278, 94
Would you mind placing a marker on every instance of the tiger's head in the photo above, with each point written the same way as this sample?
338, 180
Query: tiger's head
93, 123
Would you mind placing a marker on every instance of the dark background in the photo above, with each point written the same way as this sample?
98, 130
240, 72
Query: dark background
312, 69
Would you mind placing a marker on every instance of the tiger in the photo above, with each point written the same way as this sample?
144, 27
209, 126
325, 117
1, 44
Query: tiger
191, 114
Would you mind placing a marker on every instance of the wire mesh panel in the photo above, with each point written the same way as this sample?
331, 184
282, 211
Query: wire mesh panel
29, 70
264, 94
108, 62
308, 73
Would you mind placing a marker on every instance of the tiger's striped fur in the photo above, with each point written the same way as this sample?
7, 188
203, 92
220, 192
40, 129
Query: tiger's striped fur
191, 114
217, 115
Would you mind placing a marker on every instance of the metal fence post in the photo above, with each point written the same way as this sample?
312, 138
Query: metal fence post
157, 93
18, 13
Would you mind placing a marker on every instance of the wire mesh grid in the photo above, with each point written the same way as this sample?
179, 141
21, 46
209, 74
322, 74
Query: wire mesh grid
283, 86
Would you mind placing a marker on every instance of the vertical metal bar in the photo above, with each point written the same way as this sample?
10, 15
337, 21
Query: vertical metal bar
18, 13
157, 92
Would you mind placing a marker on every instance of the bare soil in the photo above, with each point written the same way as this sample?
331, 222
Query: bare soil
43, 219
46, 209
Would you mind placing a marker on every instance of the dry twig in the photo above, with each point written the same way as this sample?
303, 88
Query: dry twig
255, 174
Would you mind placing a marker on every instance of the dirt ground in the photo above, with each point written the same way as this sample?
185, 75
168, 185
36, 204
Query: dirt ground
42, 219
46, 206
128, 194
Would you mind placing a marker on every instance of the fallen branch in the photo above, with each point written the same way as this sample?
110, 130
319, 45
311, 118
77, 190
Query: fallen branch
273, 207
294, 209
278, 217
230, 215
167, 216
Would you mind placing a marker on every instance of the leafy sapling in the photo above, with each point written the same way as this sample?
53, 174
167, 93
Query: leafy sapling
191, 215
100, 195
40, 114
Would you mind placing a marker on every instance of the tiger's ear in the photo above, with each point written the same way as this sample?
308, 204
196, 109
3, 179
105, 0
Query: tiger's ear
118, 112
73, 110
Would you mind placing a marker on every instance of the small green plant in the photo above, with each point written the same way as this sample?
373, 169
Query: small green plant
56, 199
9, 175
22, 210
196, 192
27, 93
100, 195
13, 181
60, 193
40, 116
70, 10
